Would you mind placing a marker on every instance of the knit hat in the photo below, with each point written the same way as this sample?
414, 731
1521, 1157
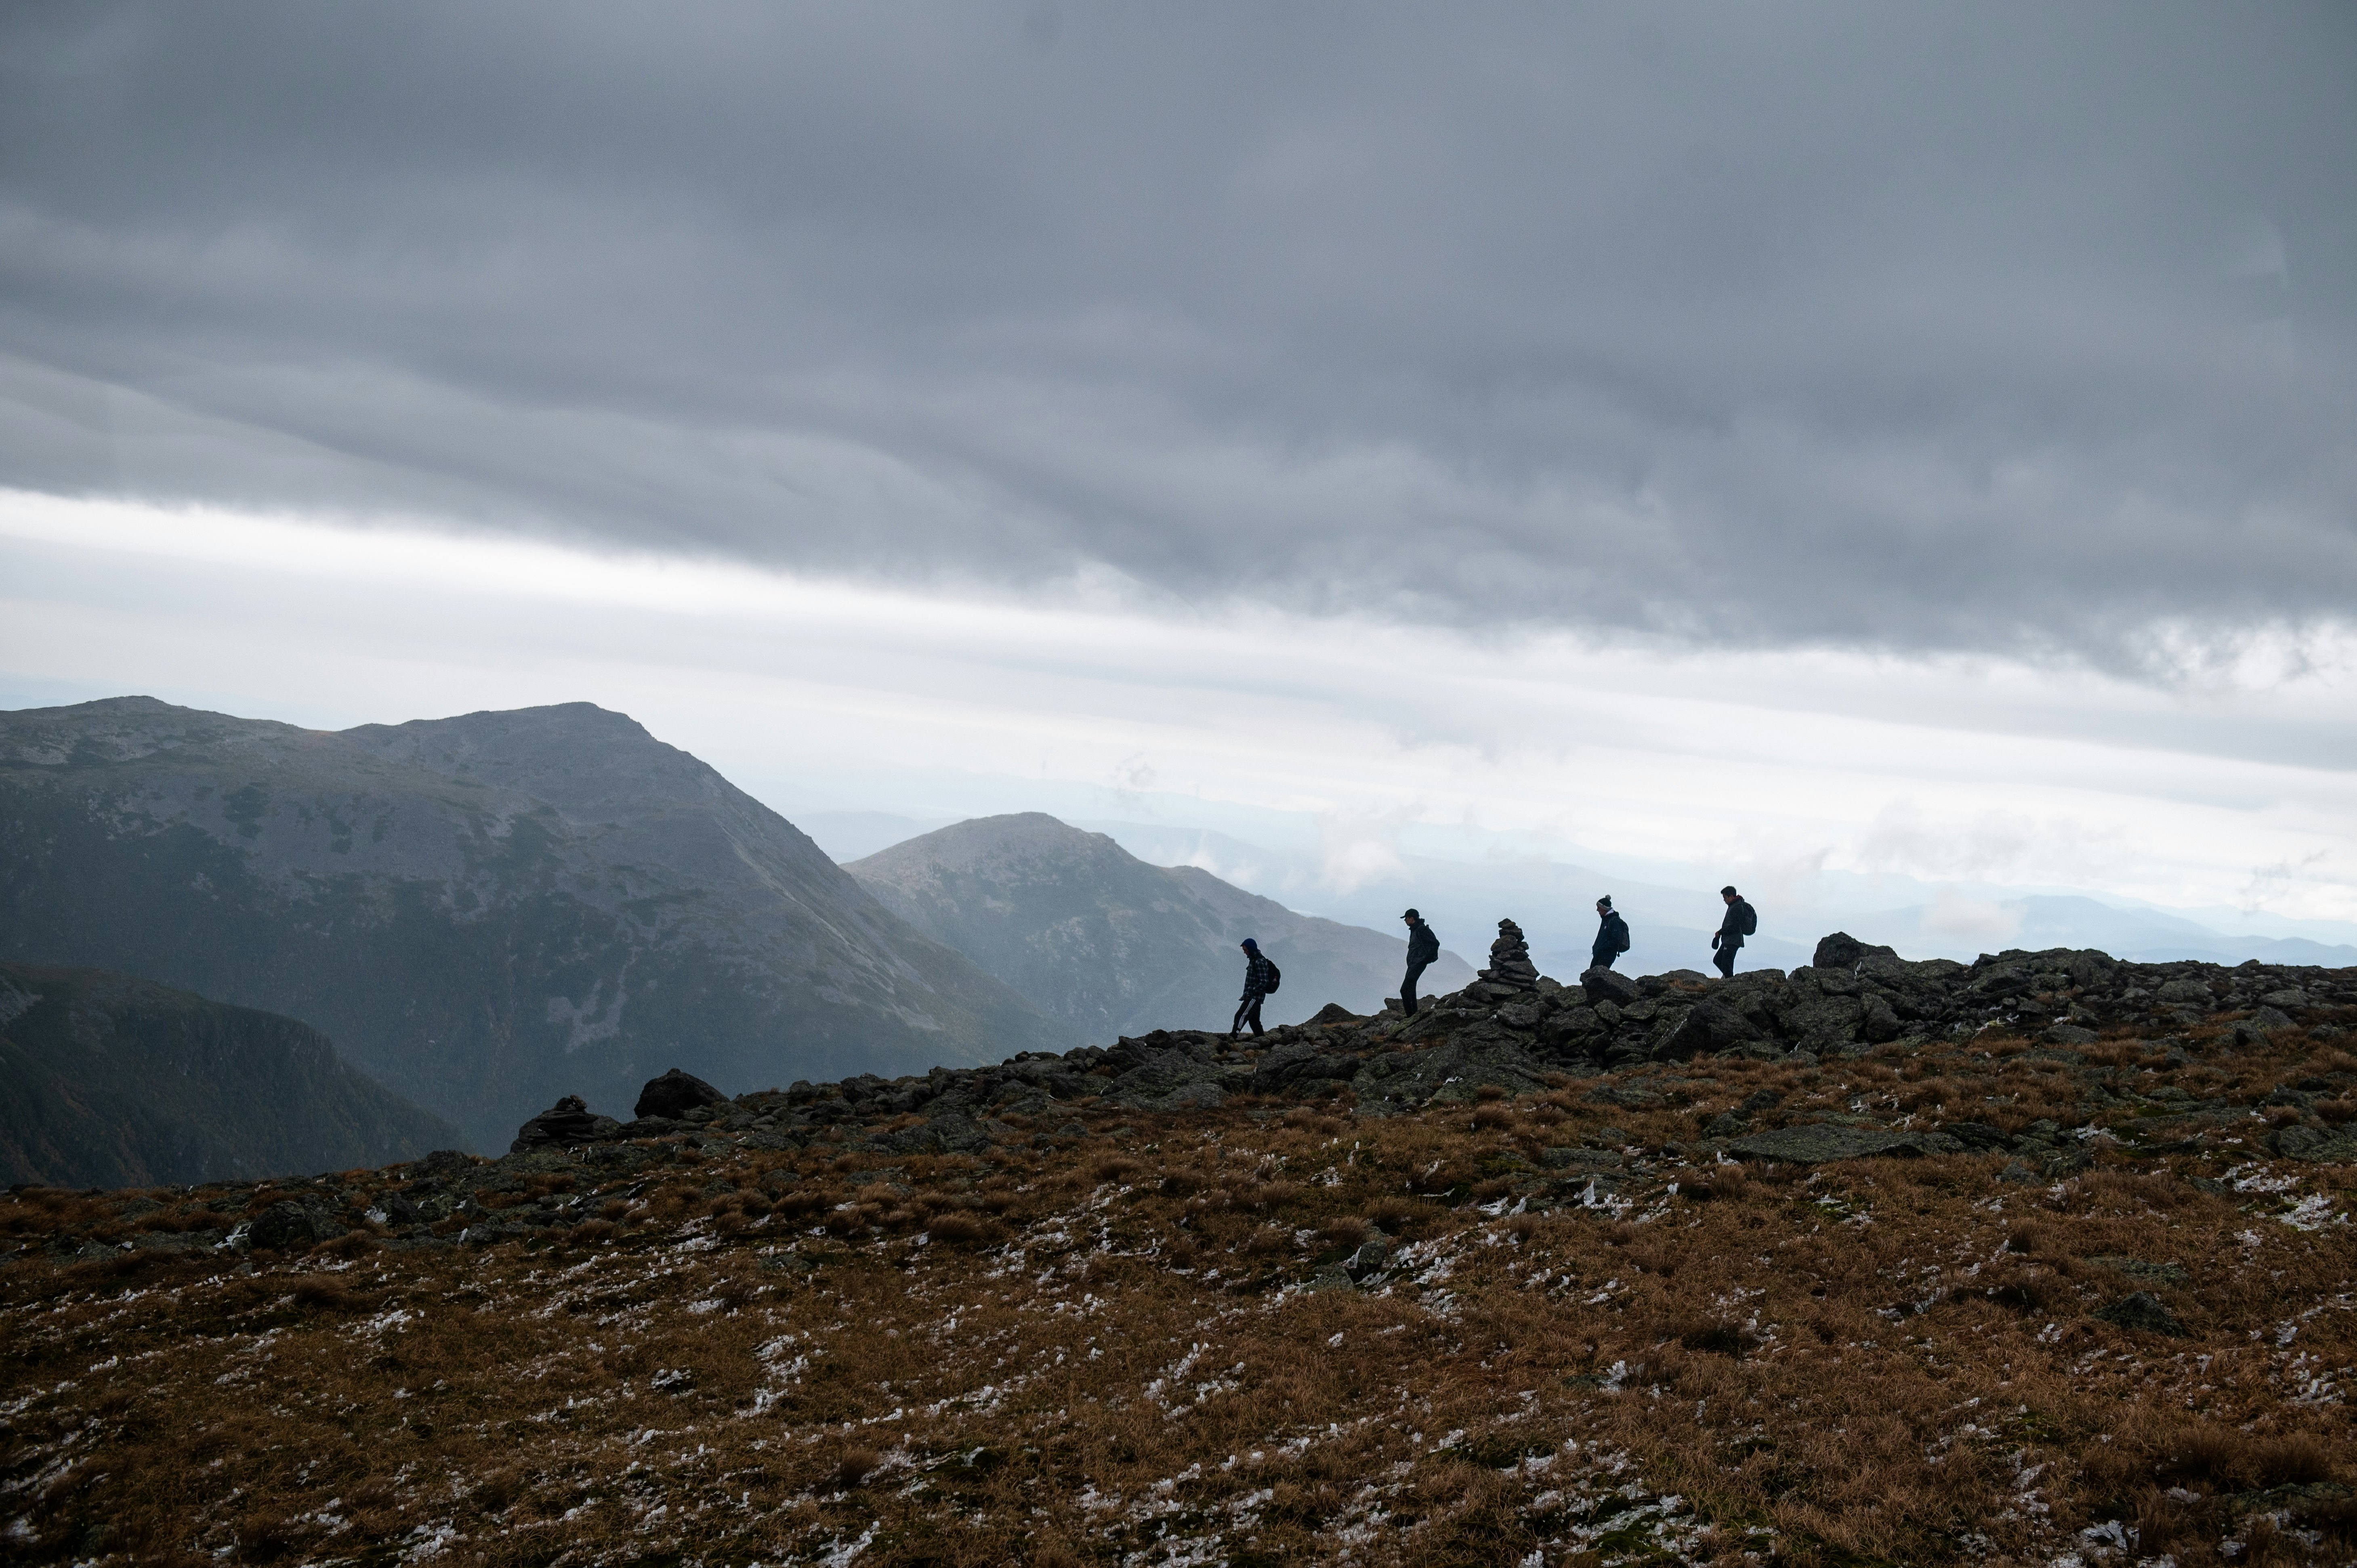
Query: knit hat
1252, 944
1605, 902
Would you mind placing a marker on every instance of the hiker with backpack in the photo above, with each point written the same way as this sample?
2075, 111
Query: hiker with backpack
1740, 922
1422, 950
1261, 977
1611, 935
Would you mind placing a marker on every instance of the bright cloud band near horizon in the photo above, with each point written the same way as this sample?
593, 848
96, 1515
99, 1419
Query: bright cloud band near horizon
2235, 792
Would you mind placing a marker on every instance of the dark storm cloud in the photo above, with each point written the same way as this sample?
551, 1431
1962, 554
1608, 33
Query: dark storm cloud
2004, 328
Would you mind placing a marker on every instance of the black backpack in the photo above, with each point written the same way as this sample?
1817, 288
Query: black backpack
1619, 935
1275, 974
1747, 919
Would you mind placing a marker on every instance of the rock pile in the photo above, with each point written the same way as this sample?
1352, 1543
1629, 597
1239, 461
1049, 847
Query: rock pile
568, 1122
1511, 974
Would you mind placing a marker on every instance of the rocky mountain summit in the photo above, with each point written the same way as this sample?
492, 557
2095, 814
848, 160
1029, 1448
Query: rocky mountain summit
1097, 937
110, 1081
483, 911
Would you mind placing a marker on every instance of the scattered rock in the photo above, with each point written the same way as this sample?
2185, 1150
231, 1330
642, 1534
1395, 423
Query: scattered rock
2168, 1274
2143, 1312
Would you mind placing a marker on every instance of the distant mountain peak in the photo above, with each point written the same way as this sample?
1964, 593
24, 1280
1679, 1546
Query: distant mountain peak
1090, 933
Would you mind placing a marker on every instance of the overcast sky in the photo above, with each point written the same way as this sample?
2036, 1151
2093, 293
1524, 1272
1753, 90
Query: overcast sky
1989, 368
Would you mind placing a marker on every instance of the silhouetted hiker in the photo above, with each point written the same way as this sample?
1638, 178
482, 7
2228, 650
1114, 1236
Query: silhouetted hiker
1611, 936
1259, 979
1740, 922
1422, 950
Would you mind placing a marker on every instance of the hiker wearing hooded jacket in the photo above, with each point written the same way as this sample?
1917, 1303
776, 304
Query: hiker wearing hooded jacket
1259, 971
1611, 935
1423, 950
1740, 922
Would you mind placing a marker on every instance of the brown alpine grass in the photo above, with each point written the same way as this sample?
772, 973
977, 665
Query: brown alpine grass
1092, 1349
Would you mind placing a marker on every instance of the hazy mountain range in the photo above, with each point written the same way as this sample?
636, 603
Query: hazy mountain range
484, 912
488, 912
1098, 937
115, 1082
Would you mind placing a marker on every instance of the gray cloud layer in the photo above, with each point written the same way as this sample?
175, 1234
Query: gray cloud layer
2017, 328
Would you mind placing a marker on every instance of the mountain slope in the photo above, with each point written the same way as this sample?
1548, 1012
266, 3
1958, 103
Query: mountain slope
110, 1081
485, 912
1093, 935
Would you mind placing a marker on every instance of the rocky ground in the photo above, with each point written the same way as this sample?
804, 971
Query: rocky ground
2040, 1259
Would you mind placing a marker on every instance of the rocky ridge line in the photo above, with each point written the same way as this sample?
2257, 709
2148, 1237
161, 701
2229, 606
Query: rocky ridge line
1624, 1038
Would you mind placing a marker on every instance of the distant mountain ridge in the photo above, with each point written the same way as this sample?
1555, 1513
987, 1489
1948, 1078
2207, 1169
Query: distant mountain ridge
485, 911
1112, 945
110, 1081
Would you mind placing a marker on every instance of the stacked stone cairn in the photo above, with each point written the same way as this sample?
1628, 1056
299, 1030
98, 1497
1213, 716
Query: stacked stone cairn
1510, 973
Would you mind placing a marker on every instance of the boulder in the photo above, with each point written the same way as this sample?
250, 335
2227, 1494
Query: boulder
563, 1124
1610, 985
1333, 1013
283, 1226
675, 1094
1841, 951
